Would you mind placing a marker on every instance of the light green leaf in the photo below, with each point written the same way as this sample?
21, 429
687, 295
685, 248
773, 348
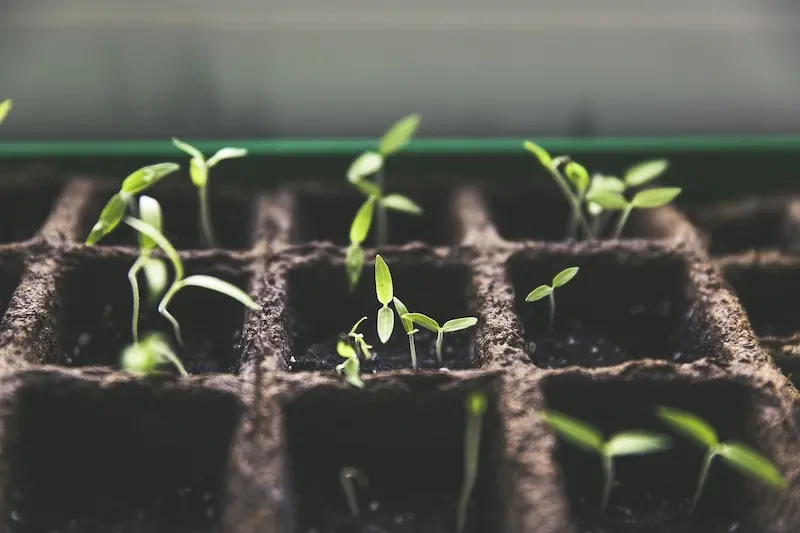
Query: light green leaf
575, 431
750, 462
110, 217
137, 359
398, 202
354, 262
606, 184
476, 403
457, 324
385, 324
542, 291
161, 241
645, 172
565, 276
594, 209
198, 171
345, 350
351, 369
226, 153
383, 281
367, 188
635, 443
690, 425
220, 286
401, 309
5, 107
399, 134
354, 329
157, 276
193, 152
362, 221
157, 344
655, 197
364, 165
149, 213
607, 200
577, 175
147, 176
544, 158
422, 320
365, 348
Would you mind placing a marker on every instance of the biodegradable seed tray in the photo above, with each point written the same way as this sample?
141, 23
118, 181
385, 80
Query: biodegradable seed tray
253, 441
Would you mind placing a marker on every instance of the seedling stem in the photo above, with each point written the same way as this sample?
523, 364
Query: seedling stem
348, 477
382, 224
559, 280
475, 404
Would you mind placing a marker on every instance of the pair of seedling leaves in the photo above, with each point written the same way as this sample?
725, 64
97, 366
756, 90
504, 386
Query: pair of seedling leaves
145, 356
737, 455
384, 289
601, 194
368, 164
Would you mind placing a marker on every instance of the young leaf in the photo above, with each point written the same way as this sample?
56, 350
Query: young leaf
542, 291
5, 107
345, 350
193, 152
155, 272
655, 197
149, 213
354, 262
198, 171
690, 425
565, 276
608, 200
139, 360
399, 134
422, 320
220, 286
577, 175
385, 324
751, 462
354, 329
367, 188
147, 176
110, 217
351, 373
161, 241
606, 184
398, 202
457, 324
226, 153
408, 325
383, 281
645, 172
544, 158
578, 433
364, 165
634, 443
362, 222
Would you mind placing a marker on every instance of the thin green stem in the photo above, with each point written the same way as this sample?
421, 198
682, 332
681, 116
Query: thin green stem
206, 228
623, 218
572, 199
472, 443
552, 311
348, 476
132, 273
381, 222
608, 473
162, 309
439, 340
413, 349
170, 356
710, 454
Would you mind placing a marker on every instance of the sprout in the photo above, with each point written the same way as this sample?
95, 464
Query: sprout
591, 439
348, 477
408, 325
358, 338
738, 455
646, 199
560, 279
475, 405
351, 367
451, 326
354, 260
385, 293
601, 183
5, 107
645, 172
144, 358
198, 171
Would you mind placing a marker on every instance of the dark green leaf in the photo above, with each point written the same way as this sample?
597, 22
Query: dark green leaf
565, 276
364, 165
5, 107
110, 217
354, 262
383, 281
645, 172
423, 320
542, 291
385, 324
544, 158
607, 200
457, 324
635, 443
750, 462
362, 221
399, 134
147, 176
398, 202
655, 197
577, 175
575, 431
690, 425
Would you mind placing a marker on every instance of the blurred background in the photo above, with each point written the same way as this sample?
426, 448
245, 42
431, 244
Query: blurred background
121, 69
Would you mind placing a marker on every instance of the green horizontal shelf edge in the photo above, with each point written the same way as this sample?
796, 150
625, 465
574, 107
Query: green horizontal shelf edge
464, 147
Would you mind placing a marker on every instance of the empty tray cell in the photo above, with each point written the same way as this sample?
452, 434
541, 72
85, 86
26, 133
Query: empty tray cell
408, 442
620, 306
322, 310
326, 214
10, 273
95, 315
653, 493
127, 458
24, 207
232, 213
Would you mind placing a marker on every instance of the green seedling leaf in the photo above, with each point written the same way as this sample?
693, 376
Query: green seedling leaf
573, 430
475, 407
110, 217
399, 134
457, 324
542, 291
544, 158
362, 222
161, 241
635, 443
220, 286
5, 107
364, 165
198, 172
385, 324
149, 213
752, 463
368, 188
611, 201
143, 358
423, 320
345, 350
351, 367
606, 184
402, 310
645, 172
655, 197
147, 176
193, 152
690, 425
156, 274
578, 176
354, 329
565, 276
354, 262
383, 281
226, 153
399, 202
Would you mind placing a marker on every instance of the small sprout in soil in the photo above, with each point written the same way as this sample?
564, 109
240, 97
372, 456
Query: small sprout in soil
359, 230
198, 171
476, 404
144, 358
738, 455
348, 477
646, 199
451, 326
560, 279
601, 184
5, 107
351, 368
385, 293
358, 338
408, 325
591, 439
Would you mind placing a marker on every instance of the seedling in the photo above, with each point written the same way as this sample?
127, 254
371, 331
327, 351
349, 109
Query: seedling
451, 326
408, 325
736, 454
590, 439
348, 477
359, 230
198, 170
385, 293
351, 368
475, 405
358, 339
560, 279
646, 199
5, 107
144, 358
371, 162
